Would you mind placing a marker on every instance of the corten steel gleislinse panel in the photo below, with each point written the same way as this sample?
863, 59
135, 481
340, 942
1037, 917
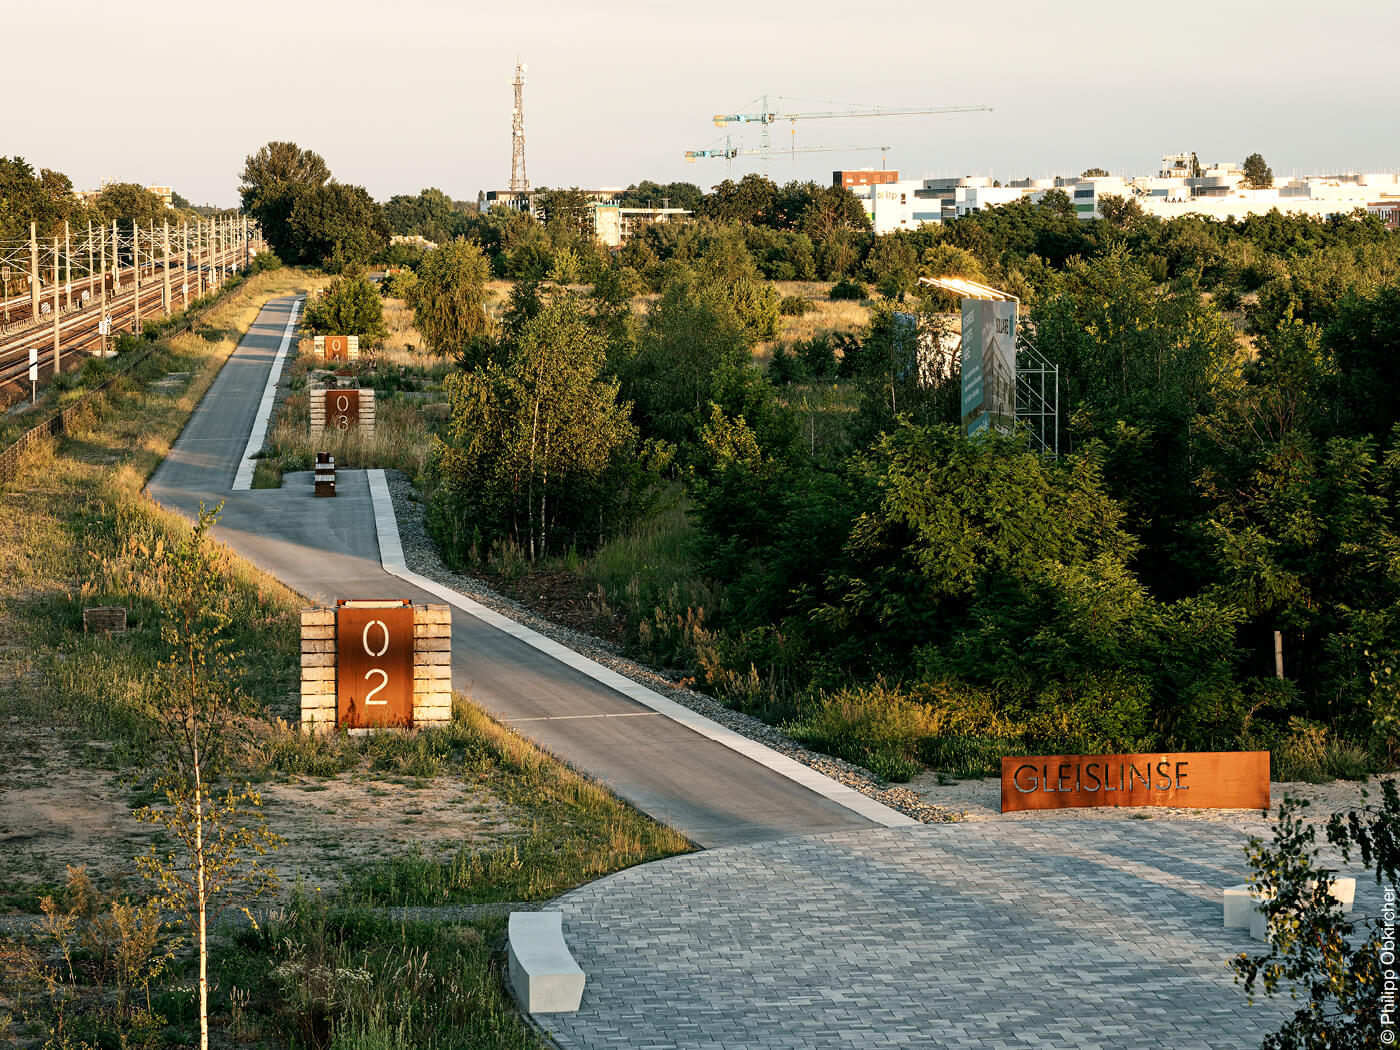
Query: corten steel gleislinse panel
374, 664
342, 409
1189, 779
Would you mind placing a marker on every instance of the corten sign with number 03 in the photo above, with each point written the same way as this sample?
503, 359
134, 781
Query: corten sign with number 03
342, 409
374, 663
1189, 779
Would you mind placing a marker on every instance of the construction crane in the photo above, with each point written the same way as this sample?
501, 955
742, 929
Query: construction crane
730, 151
766, 117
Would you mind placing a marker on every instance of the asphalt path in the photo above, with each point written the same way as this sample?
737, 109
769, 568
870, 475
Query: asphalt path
328, 548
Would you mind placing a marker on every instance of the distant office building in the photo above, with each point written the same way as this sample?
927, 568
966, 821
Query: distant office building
848, 178
910, 203
529, 200
614, 226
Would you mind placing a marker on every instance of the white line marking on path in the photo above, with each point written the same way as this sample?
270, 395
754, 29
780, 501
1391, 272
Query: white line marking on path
391, 557
243, 479
570, 718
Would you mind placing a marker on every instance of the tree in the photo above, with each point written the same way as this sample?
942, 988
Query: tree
45, 199
1335, 964
648, 194
833, 210
197, 714
449, 302
1094, 173
271, 181
126, 202
1365, 343
1122, 212
539, 448
893, 265
275, 166
337, 226
1257, 174
748, 200
568, 216
432, 215
348, 306
691, 331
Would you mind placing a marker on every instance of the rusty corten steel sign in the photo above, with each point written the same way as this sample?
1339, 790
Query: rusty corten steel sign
342, 409
374, 663
337, 347
1190, 780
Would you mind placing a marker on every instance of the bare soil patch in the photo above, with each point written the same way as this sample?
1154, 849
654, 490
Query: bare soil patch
59, 808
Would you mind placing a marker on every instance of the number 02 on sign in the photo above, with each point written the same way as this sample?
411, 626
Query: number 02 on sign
374, 663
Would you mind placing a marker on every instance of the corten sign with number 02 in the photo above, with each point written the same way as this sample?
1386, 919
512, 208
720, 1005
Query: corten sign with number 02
1190, 780
374, 664
342, 409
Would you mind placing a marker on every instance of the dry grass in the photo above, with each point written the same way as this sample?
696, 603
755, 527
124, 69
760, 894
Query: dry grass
401, 440
408, 406
403, 338
839, 316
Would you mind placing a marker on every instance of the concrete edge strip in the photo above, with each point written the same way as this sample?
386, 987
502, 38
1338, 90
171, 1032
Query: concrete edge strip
392, 558
243, 479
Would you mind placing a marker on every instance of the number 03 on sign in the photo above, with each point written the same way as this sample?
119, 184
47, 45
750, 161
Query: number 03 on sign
374, 663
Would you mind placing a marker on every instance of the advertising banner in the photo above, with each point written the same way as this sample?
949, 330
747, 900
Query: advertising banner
988, 365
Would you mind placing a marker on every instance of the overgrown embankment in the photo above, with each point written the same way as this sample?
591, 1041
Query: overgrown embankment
468, 813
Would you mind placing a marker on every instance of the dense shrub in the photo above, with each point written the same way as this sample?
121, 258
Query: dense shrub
348, 306
264, 261
848, 289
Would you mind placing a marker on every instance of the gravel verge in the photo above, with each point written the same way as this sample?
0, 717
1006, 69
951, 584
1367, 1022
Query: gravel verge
422, 557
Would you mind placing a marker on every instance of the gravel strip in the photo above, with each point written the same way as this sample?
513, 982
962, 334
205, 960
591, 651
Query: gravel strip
422, 557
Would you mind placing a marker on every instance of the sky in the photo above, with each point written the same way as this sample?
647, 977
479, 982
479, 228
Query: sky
401, 95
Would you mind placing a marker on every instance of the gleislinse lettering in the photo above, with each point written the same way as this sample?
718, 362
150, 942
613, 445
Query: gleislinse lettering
1089, 771
1016, 779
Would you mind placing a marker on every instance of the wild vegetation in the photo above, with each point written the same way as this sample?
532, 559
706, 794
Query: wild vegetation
848, 564
112, 958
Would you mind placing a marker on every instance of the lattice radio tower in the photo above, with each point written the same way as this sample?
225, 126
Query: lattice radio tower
518, 179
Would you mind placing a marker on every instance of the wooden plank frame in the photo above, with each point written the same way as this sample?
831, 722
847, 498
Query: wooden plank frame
1188, 780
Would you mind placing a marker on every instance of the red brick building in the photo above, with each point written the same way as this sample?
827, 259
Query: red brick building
863, 177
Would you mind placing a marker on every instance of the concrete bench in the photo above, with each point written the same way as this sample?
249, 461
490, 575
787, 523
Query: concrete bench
1242, 910
542, 971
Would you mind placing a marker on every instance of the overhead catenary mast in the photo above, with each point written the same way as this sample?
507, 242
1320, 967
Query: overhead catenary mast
519, 181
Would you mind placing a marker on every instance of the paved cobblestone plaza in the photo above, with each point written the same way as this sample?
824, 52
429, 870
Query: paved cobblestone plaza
1067, 934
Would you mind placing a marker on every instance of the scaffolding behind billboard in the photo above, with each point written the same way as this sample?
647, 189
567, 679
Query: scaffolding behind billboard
1007, 384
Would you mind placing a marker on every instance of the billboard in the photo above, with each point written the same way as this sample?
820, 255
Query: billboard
988, 365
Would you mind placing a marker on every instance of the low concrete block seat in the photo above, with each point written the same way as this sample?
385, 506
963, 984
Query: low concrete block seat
1242, 907
542, 971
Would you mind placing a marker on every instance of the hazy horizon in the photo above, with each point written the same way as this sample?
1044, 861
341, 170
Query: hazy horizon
397, 98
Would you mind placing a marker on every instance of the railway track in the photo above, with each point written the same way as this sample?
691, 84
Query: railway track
79, 333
